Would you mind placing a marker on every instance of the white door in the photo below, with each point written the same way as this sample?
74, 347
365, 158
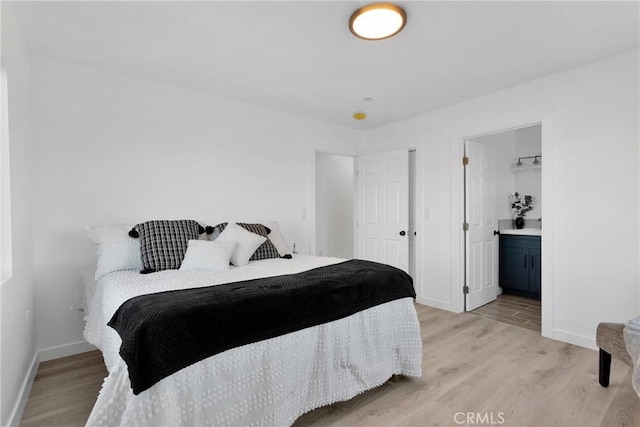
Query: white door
481, 244
383, 208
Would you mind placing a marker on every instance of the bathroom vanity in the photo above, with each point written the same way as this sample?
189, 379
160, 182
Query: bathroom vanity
520, 262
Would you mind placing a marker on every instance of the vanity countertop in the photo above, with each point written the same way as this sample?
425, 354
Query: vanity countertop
523, 232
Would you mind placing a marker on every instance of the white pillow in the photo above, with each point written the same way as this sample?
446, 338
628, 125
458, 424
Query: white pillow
246, 243
277, 239
203, 255
115, 249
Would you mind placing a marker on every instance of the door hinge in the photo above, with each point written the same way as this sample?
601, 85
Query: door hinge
465, 289
465, 226
465, 161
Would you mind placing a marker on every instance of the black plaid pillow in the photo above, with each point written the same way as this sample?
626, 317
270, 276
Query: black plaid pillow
164, 243
265, 250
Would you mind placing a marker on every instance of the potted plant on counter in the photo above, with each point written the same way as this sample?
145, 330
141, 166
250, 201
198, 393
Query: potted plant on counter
520, 205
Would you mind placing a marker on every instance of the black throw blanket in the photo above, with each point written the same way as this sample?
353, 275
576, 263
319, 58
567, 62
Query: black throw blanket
165, 332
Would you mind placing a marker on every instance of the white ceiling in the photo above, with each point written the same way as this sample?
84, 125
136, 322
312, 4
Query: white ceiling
300, 56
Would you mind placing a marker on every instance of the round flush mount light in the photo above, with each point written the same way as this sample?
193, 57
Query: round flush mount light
377, 21
359, 115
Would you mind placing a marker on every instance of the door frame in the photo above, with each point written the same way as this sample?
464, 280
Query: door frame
456, 147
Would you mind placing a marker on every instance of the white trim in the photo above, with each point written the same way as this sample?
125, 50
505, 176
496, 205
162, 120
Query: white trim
65, 350
442, 305
576, 339
418, 223
456, 150
25, 389
547, 242
457, 138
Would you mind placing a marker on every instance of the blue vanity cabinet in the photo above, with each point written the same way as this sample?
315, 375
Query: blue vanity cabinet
520, 261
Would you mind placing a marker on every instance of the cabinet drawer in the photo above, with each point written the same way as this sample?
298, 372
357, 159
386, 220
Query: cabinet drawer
529, 242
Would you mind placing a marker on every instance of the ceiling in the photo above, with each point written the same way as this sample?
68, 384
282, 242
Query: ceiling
300, 56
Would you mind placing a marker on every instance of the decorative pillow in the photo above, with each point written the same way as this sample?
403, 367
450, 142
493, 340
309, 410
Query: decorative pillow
203, 255
115, 249
246, 243
164, 243
277, 239
265, 251
213, 232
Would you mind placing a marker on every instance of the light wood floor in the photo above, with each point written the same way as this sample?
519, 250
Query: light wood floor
471, 364
65, 390
514, 310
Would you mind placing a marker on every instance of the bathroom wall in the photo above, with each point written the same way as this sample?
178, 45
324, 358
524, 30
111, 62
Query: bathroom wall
528, 180
503, 145
508, 147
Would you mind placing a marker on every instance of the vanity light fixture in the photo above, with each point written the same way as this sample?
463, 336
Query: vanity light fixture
536, 162
377, 21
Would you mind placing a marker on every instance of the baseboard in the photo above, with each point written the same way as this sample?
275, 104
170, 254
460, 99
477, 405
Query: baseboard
25, 389
442, 305
573, 338
52, 353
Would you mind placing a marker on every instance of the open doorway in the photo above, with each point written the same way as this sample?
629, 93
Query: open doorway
335, 180
336, 207
503, 265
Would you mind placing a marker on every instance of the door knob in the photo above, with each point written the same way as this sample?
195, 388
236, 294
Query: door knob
402, 233
496, 232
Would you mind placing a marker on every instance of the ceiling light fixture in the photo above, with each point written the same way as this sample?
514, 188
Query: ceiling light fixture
377, 21
359, 116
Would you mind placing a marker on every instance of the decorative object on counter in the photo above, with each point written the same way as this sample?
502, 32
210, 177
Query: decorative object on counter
520, 205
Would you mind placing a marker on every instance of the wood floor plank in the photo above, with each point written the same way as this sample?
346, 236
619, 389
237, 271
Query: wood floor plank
471, 365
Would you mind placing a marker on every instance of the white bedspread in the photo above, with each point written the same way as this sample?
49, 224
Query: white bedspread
631, 334
271, 382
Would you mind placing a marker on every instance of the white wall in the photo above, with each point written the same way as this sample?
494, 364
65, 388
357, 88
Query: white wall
114, 149
529, 179
509, 146
503, 144
334, 205
16, 294
590, 253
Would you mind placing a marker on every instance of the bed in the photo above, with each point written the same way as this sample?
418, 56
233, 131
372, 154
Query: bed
268, 382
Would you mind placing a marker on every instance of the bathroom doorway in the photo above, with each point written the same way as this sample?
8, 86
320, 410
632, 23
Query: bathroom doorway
502, 274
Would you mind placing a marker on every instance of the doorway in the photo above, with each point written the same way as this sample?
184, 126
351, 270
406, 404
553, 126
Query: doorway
336, 207
335, 180
511, 162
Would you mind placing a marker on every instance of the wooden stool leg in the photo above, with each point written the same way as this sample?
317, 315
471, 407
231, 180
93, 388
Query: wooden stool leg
605, 368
